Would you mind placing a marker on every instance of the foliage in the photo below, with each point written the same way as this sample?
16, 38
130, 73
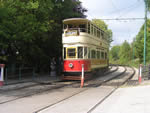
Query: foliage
121, 54
104, 27
125, 52
148, 3
113, 55
139, 43
30, 30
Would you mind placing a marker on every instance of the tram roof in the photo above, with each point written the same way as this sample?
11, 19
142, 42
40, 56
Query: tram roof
75, 20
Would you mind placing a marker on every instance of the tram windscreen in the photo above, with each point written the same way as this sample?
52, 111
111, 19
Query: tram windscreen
71, 53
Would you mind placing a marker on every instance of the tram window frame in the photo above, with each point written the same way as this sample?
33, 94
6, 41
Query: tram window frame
89, 53
85, 53
89, 28
106, 55
95, 31
98, 54
102, 55
82, 27
65, 53
74, 52
65, 26
102, 35
80, 52
92, 30
70, 26
93, 54
98, 33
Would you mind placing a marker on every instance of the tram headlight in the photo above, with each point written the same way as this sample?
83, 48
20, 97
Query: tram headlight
71, 65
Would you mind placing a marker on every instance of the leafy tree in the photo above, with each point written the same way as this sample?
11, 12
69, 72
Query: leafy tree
125, 53
31, 30
114, 53
139, 43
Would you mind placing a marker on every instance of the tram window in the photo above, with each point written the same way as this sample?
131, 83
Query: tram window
102, 55
82, 27
98, 54
93, 53
64, 52
105, 55
98, 33
95, 31
80, 52
71, 52
89, 28
65, 26
102, 34
89, 54
85, 52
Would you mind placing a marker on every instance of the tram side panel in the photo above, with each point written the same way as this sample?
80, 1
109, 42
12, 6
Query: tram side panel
75, 66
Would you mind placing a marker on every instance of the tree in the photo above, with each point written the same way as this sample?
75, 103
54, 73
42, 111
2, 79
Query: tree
125, 53
114, 56
139, 43
33, 28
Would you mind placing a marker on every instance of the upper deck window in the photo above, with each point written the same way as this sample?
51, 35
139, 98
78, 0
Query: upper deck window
82, 27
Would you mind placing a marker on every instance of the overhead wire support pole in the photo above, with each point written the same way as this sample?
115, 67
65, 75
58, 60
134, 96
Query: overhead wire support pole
145, 32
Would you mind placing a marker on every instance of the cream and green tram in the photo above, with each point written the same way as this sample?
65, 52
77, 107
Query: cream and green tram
83, 43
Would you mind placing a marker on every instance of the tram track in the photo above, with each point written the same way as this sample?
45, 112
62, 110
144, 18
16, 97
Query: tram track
85, 89
38, 83
96, 105
40, 91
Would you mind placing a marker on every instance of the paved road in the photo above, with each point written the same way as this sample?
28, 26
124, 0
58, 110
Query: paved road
127, 100
33, 103
80, 103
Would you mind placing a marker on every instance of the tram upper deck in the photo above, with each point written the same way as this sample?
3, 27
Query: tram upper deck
83, 28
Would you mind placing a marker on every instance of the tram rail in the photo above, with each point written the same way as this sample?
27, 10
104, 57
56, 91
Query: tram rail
55, 86
87, 88
118, 85
50, 86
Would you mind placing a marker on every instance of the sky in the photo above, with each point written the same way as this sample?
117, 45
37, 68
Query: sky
110, 9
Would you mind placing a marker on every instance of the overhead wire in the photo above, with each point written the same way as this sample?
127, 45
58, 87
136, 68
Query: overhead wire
119, 18
130, 10
125, 8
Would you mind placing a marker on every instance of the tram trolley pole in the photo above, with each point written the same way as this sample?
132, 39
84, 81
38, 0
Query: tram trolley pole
82, 77
2, 74
140, 73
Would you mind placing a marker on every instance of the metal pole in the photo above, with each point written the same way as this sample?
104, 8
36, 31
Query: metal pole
2, 74
6, 75
82, 77
145, 31
140, 73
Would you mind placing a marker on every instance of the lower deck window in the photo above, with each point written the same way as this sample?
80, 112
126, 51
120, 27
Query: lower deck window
105, 55
64, 52
71, 53
93, 53
102, 55
98, 54
80, 52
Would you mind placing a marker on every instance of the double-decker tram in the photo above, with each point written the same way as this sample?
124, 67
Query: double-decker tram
83, 43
